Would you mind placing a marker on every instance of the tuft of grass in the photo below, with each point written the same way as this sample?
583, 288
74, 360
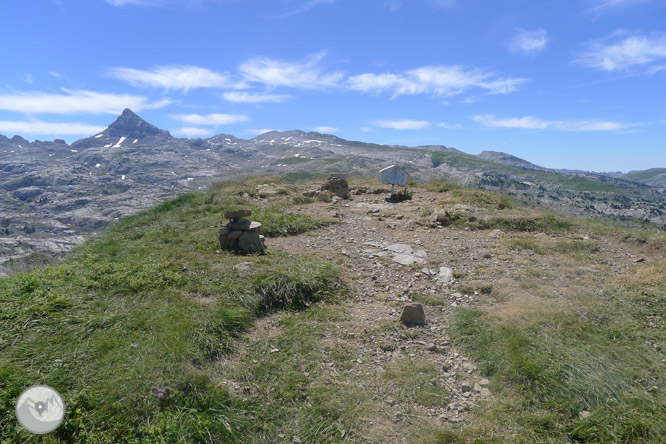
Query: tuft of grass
439, 186
546, 223
428, 299
524, 243
278, 223
553, 368
302, 200
416, 381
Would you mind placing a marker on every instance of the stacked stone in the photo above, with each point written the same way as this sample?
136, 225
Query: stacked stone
241, 234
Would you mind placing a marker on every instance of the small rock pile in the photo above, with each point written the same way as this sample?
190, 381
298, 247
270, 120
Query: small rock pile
241, 234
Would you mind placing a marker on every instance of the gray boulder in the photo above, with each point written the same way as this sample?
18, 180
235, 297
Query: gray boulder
413, 314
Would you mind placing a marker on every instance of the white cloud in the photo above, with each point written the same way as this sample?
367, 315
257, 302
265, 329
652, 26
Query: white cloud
368, 129
209, 119
190, 131
621, 52
529, 42
449, 125
174, 77
307, 74
258, 132
243, 97
326, 129
73, 102
603, 6
436, 80
49, 128
28, 79
530, 122
403, 124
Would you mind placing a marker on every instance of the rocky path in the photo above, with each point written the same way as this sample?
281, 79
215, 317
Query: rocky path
390, 256
387, 256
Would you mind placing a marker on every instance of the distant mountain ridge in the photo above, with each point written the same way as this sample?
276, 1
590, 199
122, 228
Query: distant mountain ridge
509, 160
53, 194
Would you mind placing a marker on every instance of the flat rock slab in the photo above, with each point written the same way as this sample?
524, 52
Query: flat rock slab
237, 214
405, 255
243, 225
445, 275
407, 259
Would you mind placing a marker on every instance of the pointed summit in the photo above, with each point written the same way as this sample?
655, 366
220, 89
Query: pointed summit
129, 125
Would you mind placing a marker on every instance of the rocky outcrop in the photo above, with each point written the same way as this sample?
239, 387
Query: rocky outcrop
337, 184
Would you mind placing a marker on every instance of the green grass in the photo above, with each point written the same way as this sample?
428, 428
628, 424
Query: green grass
431, 299
546, 223
278, 223
525, 243
301, 176
415, 381
639, 176
293, 160
147, 304
550, 370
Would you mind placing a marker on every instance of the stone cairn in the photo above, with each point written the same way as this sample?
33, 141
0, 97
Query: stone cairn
241, 234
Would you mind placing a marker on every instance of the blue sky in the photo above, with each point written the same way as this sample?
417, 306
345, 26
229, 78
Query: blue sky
564, 84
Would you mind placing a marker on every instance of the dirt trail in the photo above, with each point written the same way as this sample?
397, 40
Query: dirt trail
381, 287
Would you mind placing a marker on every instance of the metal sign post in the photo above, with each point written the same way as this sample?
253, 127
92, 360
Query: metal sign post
394, 175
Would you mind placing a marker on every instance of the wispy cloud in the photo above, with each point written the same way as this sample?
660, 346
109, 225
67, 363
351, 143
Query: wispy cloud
435, 80
174, 77
402, 124
244, 97
305, 7
75, 102
528, 42
38, 127
446, 125
621, 51
209, 119
190, 131
529, 122
604, 6
137, 2
326, 129
307, 74
156, 3
258, 132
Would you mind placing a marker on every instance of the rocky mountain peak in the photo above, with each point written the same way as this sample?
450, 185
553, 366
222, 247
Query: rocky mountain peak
129, 125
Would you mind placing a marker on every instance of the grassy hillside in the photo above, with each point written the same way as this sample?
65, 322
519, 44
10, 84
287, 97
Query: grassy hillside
154, 336
652, 176
130, 325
